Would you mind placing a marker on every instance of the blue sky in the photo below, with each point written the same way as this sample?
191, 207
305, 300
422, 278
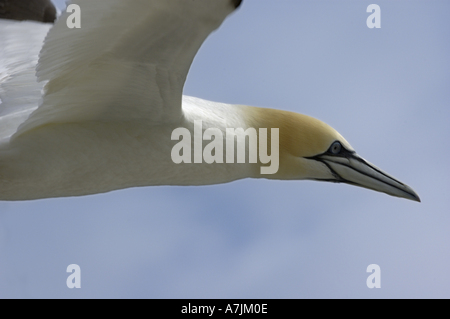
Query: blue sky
385, 90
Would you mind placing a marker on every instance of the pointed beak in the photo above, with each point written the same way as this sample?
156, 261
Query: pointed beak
355, 170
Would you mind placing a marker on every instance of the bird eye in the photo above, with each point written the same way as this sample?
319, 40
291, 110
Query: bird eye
335, 148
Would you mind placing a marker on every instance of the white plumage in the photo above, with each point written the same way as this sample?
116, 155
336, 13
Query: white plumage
99, 112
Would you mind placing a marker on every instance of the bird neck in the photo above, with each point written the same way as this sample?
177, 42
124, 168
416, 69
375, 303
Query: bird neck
242, 138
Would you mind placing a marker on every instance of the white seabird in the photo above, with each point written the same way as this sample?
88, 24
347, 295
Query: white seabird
95, 110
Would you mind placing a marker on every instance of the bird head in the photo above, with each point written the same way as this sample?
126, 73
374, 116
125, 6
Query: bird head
311, 149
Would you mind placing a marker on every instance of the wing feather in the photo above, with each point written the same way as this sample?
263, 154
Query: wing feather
128, 61
20, 93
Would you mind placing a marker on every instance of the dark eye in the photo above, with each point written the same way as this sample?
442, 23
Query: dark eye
335, 148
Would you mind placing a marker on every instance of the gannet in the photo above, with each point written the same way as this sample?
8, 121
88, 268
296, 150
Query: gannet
94, 111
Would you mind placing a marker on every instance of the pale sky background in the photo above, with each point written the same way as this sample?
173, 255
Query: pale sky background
386, 90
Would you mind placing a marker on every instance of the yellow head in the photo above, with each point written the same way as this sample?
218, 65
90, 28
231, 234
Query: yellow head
311, 149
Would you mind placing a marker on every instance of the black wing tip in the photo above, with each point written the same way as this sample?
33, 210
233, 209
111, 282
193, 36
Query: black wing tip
35, 10
50, 13
236, 3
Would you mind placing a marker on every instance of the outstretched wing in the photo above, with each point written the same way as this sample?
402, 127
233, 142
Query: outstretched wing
128, 61
20, 93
